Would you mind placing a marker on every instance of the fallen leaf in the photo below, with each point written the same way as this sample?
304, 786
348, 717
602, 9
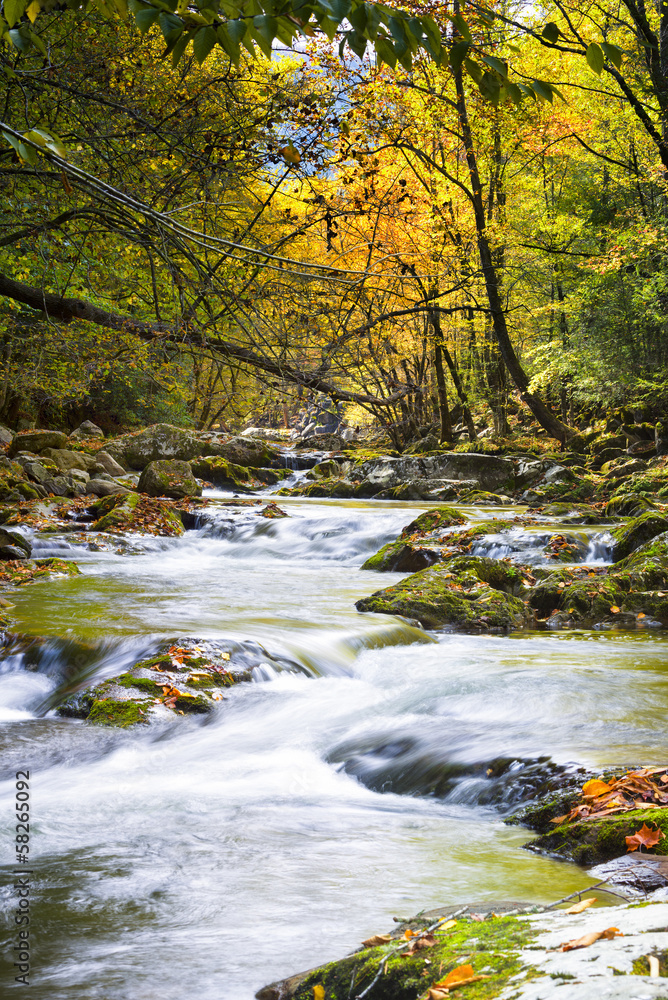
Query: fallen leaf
588, 939
615, 610
318, 993
654, 966
584, 904
377, 939
595, 787
461, 976
644, 837
447, 925
418, 944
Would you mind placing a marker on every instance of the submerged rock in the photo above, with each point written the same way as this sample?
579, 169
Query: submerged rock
467, 593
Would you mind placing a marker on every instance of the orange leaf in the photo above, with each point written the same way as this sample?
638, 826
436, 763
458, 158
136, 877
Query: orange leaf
595, 787
588, 939
584, 904
614, 609
462, 974
644, 837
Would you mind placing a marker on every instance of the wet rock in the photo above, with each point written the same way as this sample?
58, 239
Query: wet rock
160, 441
595, 840
640, 872
169, 478
103, 462
14, 545
629, 537
467, 593
36, 441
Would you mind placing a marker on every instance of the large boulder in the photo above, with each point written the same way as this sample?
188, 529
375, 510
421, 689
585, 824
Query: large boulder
104, 488
160, 441
169, 478
470, 594
36, 441
66, 460
487, 472
14, 545
248, 452
6, 435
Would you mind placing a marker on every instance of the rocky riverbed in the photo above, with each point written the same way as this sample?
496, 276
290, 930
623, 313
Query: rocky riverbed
157, 606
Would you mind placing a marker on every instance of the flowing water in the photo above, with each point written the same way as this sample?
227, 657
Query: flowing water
365, 773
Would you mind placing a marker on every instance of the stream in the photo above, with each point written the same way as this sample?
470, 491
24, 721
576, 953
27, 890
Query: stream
363, 775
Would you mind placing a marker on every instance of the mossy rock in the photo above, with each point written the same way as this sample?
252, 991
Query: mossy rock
585, 599
495, 944
590, 842
629, 537
480, 498
628, 506
223, 473
120, 714
647, 567
169, 477
402, 557
328, 488
414, 549
132, 512
471, 594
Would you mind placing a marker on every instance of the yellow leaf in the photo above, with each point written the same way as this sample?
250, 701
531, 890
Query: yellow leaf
584, 904
447, 925
614, 609
318, 993
33, 10
290, 154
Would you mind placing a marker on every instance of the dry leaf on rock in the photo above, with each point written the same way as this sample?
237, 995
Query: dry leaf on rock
318, 993
588, 939
418, 943
584, 904
644, 837
377, 939
461, 976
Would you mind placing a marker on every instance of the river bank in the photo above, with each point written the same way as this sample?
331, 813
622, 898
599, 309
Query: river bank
361, 767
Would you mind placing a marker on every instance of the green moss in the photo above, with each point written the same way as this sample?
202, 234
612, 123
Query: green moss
594, 841
141, 683
192, 704
431, 520
629, 537
494, 944
111, 712
641, 965
116, 511
467, 593
222, 472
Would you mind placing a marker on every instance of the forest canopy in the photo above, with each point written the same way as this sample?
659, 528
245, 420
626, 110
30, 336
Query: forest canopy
413, 210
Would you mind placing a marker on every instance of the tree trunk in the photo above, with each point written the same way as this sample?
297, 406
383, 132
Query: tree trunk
541, 411
443, 408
